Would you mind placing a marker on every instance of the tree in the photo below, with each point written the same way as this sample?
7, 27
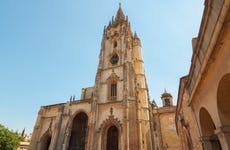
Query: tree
9, 140
23, 132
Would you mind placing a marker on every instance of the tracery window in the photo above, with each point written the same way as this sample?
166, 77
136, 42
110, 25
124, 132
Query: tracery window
112, 87
113, 91
114, 59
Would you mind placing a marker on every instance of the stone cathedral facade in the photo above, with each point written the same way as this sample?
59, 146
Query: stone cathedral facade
113, 114
116, 113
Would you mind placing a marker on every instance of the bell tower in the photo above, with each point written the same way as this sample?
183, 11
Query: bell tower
115, 113
167, 99
115, 53
120, 86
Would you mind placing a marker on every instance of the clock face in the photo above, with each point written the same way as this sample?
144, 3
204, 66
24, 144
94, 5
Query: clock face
114, 59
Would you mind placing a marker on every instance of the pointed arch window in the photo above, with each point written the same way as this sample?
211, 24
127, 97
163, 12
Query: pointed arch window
113, 91
112, 87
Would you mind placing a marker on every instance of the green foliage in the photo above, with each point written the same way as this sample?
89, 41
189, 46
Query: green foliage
9, 140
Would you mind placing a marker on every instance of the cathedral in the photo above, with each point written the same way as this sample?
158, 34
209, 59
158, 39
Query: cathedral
113, 114
117, 114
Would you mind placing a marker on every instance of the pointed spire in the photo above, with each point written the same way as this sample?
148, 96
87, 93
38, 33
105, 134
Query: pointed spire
135, 35
136, 40
120, 15
104, 30
126, 19
112, 19
70, 98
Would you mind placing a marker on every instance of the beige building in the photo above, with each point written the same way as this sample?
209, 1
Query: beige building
185, 122
24, 145
164, 129
203, 112
116, 112
113, 114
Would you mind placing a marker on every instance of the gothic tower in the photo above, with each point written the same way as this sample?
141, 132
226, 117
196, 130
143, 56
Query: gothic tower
121, 96
114, 114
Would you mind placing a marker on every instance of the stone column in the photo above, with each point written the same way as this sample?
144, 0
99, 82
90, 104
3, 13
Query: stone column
65, 127
67, 135
57, 127
126, 130
91, 130
223, 134
92, 135
206, 142
37, 130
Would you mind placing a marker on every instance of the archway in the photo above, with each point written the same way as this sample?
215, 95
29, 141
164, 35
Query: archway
223, 102
45, 141
79, 132
112, 138
209, 139
110, 131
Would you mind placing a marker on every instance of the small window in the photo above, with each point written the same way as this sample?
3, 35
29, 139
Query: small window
167, 102
115, 44
113, 91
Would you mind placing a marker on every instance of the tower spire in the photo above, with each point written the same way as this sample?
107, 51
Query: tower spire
135, 35
120, 15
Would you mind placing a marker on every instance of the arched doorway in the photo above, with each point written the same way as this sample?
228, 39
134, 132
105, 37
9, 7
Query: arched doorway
223, 102
45, 141
79, 132
112, 138
209, 139
111, 133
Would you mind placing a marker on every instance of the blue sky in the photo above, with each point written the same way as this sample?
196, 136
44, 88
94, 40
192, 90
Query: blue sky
49, 49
